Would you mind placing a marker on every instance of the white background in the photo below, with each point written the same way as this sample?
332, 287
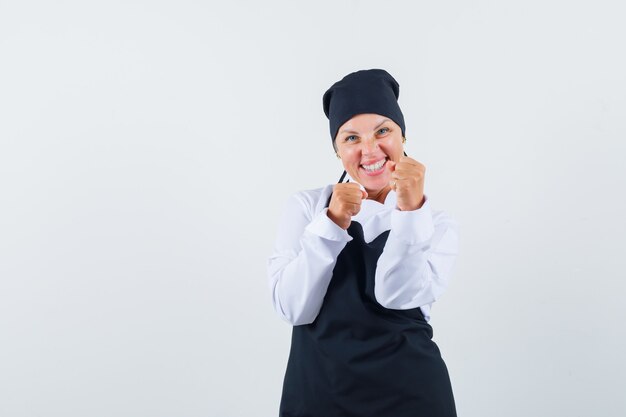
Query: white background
147, 148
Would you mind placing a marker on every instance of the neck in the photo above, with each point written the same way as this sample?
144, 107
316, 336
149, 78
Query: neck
380, 195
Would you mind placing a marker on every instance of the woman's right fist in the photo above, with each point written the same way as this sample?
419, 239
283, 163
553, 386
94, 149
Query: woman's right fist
345, 203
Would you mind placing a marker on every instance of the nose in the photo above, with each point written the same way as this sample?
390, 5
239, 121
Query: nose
369, 145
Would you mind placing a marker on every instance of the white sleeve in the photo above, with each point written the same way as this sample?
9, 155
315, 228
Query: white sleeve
304, 256
415, 266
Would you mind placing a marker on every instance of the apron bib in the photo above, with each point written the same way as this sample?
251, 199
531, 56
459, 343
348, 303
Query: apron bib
360, 359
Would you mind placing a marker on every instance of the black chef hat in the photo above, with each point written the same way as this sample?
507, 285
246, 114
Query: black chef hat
364, 91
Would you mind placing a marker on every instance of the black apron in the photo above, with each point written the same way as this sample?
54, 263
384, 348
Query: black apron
360, 359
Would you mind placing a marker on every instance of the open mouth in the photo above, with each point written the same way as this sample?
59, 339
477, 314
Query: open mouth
375, 168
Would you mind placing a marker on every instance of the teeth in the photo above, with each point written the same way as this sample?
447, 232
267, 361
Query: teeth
375, 166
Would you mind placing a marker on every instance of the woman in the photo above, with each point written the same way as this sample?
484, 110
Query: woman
357, 266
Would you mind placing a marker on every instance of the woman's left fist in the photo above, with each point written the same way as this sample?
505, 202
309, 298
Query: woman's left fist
407, 180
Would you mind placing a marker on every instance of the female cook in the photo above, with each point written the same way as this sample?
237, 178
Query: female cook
357, 266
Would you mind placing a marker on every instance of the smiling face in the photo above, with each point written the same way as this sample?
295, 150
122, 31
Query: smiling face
365, 143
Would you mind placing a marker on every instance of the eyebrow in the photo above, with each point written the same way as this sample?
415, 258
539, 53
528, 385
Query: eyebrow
379, 125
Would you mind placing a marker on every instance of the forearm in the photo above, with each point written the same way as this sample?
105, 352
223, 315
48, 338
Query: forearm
300, 284
299, 276
415, 266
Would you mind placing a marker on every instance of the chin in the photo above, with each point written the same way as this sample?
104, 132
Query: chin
368, 181
375, 186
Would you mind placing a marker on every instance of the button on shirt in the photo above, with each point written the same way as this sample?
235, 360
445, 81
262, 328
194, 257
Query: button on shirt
413, 270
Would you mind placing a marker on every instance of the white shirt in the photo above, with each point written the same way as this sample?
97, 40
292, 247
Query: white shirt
413, 270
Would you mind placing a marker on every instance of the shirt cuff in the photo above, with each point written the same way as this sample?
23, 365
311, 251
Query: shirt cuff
415, 226
324, 227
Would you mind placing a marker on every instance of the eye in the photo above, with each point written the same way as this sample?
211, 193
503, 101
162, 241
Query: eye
383, 130
350, 138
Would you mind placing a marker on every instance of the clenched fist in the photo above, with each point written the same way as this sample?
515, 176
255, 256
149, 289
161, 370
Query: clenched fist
345, 203
407, 180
